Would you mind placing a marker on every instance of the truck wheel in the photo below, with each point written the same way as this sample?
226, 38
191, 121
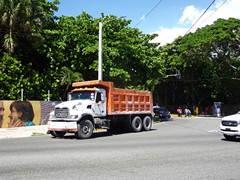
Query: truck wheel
136, 124
229, 137
59, 134
147, 123
85, 129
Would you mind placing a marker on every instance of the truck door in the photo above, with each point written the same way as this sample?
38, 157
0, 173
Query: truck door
100, 108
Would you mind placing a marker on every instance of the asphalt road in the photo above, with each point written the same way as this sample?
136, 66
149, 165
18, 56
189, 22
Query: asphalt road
183, 148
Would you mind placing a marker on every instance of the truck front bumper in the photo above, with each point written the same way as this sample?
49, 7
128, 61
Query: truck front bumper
62, 126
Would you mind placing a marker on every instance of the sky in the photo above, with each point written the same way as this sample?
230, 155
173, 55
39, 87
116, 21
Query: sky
167, 18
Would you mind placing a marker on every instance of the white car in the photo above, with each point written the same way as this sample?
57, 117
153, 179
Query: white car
230, 126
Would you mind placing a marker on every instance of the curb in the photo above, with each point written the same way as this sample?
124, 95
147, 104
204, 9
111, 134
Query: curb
19, 132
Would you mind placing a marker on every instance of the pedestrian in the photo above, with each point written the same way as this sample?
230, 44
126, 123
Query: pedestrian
206, 110
179, 111
187, 112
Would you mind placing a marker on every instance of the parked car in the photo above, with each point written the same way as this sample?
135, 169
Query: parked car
230, 126
160, 113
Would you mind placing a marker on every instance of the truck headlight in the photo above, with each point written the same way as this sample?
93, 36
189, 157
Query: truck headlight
51, 116
74, 116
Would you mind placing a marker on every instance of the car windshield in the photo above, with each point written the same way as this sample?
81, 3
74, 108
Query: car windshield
162, 109
83, 95
159, 109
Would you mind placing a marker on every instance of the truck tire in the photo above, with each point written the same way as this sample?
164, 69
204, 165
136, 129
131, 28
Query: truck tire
85, 129
136, 124
59, 134
147, 123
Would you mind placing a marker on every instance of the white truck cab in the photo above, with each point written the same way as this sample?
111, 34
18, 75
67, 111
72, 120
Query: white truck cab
82, 103
230, 126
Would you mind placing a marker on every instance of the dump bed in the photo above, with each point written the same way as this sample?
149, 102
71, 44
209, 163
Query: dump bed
122, 101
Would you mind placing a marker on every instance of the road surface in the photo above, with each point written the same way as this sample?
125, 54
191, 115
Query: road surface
182, 148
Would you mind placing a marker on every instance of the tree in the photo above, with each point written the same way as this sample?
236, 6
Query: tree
21, 24
12, 11
67, 77
209, 61
10, 78
127, 52
23, 19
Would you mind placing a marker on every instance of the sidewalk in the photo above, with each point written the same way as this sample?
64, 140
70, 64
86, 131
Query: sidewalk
19, 132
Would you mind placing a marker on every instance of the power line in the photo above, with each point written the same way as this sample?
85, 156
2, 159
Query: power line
214, 12
148, 13
200, 16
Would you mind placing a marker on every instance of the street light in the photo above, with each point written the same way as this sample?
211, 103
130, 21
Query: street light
100, 48
177, 75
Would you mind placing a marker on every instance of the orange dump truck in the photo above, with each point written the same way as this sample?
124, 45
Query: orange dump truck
98, 104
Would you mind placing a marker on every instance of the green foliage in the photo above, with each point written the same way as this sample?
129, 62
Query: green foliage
68, 77
21, 18
209, 63
42, 52
14, 77
10, 71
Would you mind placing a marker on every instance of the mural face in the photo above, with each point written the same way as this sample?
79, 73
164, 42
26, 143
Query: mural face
25, 113
22, 114
1, 113
14, 118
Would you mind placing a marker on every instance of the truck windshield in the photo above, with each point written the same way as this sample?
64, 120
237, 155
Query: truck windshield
83, 95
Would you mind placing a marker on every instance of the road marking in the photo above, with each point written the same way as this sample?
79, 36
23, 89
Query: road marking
213, 131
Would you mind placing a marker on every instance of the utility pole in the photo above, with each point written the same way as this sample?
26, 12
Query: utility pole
21, 94
100, 52
100, 59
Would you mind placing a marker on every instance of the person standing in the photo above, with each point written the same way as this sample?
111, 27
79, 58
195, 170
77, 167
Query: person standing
179, 111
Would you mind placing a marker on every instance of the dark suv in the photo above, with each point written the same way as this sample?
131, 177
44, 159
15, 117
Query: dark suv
161, 112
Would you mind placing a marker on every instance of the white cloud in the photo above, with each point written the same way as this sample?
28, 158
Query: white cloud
167, 35
191, 14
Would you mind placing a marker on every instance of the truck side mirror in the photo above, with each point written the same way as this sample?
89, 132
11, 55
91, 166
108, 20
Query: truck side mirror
102, 97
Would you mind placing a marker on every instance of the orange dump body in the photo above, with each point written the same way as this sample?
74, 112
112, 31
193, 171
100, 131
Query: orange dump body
121, 101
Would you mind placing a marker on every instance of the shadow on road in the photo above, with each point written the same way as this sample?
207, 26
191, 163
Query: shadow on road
98, 134
233, 140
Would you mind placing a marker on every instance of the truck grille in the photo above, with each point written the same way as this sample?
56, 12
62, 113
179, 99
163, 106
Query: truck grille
61, 112
230, 123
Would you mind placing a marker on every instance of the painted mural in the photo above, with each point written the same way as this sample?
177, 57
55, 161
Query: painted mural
25, 113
